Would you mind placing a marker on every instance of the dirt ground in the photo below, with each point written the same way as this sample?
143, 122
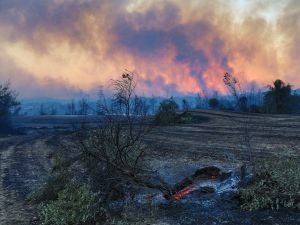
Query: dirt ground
224, 135
24, 166
214, 138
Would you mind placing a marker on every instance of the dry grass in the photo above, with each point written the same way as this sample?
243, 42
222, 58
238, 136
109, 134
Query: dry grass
223, 136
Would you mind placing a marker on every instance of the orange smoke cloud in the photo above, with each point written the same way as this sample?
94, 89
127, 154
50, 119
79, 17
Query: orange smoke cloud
175, 47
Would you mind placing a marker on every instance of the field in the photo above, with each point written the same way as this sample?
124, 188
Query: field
212, 138
215, 134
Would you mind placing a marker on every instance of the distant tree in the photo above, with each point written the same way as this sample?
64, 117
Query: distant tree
140, 106
42, 110
152, 104
167, 112
213, 103
101, 102
83, 107
295, 103
53, 110
233, 85
71, 108
8, 100
278, 98
251, 95
243, 104
201, 101
185, 105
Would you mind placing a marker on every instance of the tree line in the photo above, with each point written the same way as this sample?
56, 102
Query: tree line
277, 99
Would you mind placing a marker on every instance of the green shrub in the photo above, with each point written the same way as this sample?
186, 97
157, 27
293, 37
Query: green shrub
277, 184
167, 112
57, 180
76, 205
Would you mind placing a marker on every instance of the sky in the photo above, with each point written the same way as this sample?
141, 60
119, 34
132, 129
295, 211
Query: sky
59, 48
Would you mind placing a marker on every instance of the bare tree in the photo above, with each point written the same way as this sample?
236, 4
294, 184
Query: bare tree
83, 107
71, 108
202, 101
234, 87
114, 154
198, 101
152, 104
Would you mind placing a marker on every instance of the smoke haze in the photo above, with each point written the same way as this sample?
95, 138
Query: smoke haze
59, 47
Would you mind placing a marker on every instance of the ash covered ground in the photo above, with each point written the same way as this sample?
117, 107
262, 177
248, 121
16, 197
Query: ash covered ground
216, 139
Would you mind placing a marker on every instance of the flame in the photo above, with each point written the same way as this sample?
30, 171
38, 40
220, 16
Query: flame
180, 194
188, 189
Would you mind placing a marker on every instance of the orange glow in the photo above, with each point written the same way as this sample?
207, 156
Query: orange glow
180, 194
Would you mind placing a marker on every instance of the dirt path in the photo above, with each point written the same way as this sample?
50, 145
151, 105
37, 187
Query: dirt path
23, 166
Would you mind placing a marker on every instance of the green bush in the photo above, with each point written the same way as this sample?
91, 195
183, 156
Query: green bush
76, 205
277, 184
57, 180
167, 112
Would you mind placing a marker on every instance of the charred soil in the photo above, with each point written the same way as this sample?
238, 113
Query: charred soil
180, 151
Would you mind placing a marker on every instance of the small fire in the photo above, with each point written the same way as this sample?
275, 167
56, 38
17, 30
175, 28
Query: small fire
178, 195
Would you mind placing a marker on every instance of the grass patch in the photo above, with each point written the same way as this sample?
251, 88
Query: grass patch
277, 184
49, 191
76, 205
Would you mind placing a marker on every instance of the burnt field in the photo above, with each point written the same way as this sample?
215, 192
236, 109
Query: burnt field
213, 138
217, 134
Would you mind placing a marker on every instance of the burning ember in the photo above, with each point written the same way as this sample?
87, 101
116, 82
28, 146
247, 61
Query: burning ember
178, 195
199, 181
